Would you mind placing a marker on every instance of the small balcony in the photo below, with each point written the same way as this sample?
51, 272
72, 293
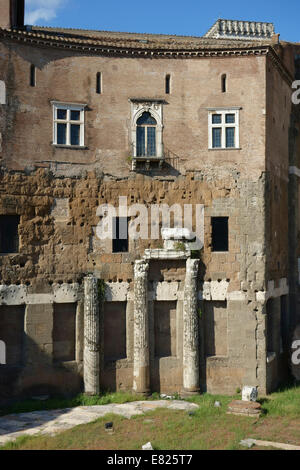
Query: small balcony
146, 160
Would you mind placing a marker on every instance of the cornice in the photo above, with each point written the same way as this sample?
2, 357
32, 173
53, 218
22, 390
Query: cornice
103, 47
109, 47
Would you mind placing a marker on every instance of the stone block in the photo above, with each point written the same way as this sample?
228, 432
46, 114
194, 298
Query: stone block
249, 393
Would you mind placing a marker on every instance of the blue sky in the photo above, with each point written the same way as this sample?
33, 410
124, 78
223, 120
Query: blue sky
182, 17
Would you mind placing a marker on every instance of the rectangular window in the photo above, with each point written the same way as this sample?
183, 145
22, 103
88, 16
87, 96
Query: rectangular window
217, 133
68, 122
32, 76
9, 234
99, 83
230, 137
223, 129
120, 235
219, 233
140, 141
168, 82
151, 141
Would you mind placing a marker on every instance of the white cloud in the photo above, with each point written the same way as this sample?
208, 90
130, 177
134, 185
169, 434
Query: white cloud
46, 10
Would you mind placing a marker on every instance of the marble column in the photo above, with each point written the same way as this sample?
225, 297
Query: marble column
141, 367
91, 357
191, 328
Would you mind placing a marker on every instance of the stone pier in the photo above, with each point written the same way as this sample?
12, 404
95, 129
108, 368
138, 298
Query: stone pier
141, 371
191, 329
91, 336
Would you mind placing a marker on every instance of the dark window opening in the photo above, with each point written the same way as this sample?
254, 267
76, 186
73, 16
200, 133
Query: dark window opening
168, 83
9, 236
98, 83
224, 83
32, 75
219, 233
120, 235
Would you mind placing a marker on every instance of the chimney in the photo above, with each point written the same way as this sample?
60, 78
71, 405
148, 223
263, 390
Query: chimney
12, 13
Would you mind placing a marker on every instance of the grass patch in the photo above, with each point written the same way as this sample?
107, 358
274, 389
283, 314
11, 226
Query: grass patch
57, 403
165, 429
208, 427
284, 402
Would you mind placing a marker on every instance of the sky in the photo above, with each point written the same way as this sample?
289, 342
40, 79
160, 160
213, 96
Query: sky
181, 17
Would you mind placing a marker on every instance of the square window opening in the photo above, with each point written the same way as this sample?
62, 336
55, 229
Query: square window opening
9, 234
68, 125
120, 235
219, 233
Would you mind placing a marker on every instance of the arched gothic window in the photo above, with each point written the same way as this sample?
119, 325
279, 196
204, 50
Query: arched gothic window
146, 136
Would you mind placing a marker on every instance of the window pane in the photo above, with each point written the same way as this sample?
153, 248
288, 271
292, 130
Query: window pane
140, 141
216, 118
146, 119
75, 115
61, 114
75, 134
230, 137
216, 137
151, 142
230, 118
61, 134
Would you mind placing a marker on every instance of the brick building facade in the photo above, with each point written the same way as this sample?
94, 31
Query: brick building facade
87, 117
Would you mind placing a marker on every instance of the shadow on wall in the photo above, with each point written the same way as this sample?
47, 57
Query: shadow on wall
36, 374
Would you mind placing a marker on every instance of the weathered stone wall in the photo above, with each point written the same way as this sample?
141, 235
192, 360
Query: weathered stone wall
57, 223
57, 205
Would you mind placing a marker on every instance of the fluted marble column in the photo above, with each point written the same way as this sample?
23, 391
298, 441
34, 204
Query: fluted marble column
91, 358
190, 328
141, 367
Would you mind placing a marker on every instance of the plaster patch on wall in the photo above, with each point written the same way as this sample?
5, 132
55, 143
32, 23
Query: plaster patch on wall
214, 290
65, 293
273, 292
18, 295
165, 290
60, 210
116, 291
12, 295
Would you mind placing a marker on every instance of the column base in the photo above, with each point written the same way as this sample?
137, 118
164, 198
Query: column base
142, 394
91, 394
189, 393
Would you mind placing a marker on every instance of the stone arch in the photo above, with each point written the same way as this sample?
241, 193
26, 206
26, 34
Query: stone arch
143, 110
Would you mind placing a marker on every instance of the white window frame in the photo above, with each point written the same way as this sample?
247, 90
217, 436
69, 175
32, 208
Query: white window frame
68, 107
222, 126
155, 108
